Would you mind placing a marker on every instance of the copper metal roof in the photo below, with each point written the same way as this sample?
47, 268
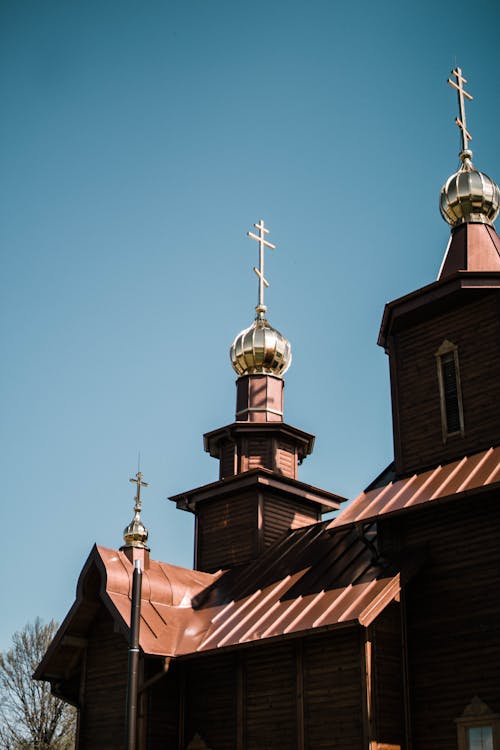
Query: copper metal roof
313, 578
263, 478
470, 473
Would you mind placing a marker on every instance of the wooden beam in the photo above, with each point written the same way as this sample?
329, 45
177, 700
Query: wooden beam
240, 702
299, 654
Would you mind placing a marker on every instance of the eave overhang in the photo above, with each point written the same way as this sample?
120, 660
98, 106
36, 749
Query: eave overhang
436, 297
258, 479
313, 579
469, 476
304, 440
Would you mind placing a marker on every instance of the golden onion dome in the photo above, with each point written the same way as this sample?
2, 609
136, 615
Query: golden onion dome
469, 195
135, 534
261, 349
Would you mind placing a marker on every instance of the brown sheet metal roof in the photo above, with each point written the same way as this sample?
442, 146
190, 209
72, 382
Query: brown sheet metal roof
470, 473
312, 578
263, 478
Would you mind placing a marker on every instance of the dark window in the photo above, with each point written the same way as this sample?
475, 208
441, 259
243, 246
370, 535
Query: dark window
452, 415
450, 392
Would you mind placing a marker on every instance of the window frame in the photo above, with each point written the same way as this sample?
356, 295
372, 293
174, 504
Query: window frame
477, 714
448, 347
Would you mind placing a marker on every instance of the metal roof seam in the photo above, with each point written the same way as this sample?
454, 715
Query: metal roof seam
438, 492
294, 603
275, 590
256, 624
425, 484
230, 605
472, 474
339, 520
306, 609
393, 587
346, 614
332, 606
403, 488
231, 617
491, 475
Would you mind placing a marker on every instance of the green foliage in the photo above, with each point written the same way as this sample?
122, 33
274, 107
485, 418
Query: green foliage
30, 717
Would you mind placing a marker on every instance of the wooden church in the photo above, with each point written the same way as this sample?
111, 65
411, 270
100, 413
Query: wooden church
378, 630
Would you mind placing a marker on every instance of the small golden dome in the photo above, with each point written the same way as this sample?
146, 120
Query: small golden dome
261, 349
469, 195
135, 534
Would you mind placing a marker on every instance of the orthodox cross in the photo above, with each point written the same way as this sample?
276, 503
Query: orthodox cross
138, 481
461, 121
263, 243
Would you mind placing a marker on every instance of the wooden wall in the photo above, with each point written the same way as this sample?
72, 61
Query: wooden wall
160, 705
234, 529
475, 329
297, 694
258, 451
386, 721
333, 691
227, 532
102, 723
294, 695
280, 514
453, 614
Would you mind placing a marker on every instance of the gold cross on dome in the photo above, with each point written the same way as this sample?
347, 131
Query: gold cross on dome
462, 93
263, 243
138, 481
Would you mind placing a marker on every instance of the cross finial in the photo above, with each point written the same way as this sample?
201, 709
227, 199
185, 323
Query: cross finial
263, 243
461, 121
138, 481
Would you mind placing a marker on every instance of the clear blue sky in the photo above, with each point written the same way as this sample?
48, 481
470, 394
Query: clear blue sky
138, 144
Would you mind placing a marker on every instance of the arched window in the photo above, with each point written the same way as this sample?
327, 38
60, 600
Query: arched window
450, 391
478, 728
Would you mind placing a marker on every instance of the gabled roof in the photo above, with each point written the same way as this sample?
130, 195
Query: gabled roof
471, 473
313, 578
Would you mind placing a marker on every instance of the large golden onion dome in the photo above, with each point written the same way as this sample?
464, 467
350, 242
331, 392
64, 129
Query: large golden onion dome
469, 195
261, 349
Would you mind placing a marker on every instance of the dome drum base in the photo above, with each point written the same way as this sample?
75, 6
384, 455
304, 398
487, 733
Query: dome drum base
259, 398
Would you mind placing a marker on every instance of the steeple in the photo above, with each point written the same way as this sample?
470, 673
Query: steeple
469, 202
443, 340
260, 355
135, 534
258, 496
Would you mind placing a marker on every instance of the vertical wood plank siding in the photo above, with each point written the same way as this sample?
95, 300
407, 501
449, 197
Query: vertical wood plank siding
211, 686
333, 715
270, 690
227, 459
453, 613
387, 692
475, 329
297, 695
103, 724
163, 709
